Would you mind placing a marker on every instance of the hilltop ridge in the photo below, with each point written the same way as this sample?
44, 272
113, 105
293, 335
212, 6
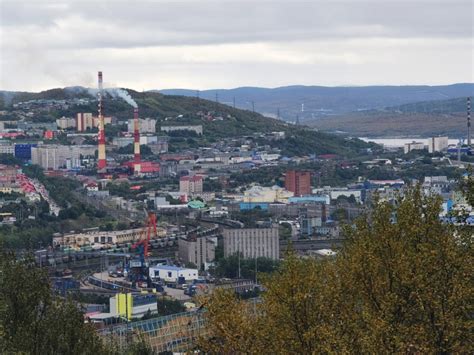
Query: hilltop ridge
218, 120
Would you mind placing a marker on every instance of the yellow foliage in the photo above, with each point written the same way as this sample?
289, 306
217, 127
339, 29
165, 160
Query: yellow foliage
401, 284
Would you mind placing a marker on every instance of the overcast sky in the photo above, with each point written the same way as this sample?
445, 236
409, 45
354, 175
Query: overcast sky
224, 44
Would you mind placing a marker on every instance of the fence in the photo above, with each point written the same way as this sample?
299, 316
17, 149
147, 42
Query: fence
176, 332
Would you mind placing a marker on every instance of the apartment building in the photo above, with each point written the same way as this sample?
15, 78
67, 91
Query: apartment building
252, 242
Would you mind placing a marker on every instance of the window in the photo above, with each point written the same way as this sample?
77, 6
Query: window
169, 273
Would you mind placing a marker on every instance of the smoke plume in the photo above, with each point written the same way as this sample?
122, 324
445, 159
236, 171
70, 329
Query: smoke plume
115, 93
124, 95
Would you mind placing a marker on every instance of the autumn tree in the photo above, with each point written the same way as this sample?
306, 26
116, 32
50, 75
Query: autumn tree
402, 283
33, 320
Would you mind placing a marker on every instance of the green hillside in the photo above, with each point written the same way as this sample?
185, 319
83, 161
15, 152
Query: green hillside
218, 120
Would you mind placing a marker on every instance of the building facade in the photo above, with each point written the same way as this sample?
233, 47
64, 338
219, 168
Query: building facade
7, 148
437, 144
66, 122
85, 121
103, 237
60, 156
191, 184
197, 250
408, 147
23, 151
298, 182
252, 242
146, 125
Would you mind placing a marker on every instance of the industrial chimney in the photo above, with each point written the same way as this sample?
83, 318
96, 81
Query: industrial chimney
102, 163
468, 103
136, 142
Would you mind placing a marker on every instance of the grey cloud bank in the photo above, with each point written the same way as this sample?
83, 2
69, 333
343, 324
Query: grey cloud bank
157, 44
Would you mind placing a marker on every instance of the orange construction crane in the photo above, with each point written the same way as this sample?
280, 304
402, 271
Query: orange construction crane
144, 243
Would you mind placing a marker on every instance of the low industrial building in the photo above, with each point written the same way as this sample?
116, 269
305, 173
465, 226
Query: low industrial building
173, 274
128, 306
102, 238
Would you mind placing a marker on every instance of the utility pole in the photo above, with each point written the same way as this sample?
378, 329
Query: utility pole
256, 261
238, 251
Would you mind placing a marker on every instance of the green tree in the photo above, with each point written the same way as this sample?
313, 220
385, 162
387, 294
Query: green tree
166, 306
228, 267
401, 284
33, 321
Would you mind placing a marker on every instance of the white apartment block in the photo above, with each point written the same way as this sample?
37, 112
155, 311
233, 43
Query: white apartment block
437, 144
146, 125
252, 242
66, 122
60, 156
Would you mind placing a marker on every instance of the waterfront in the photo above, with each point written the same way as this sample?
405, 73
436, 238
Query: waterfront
399, 142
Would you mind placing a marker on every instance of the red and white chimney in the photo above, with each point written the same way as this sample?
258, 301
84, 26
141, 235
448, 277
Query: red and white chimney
136, 142
102, 163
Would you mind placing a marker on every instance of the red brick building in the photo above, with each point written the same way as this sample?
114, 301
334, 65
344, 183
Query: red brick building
298, 182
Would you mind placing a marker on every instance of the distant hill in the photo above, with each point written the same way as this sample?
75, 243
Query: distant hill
437, 106
427, 118
320, 101
218, 120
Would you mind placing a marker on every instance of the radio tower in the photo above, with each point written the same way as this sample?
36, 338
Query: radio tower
102, 163
136, 142
468, 121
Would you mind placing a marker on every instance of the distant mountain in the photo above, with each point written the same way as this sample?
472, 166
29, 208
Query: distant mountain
320, 101
218, 120
427, 118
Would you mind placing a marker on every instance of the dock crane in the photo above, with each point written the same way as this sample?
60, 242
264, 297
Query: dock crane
139, 267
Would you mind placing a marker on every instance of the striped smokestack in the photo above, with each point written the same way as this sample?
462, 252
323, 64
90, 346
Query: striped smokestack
136, 142
102, 163
468, 104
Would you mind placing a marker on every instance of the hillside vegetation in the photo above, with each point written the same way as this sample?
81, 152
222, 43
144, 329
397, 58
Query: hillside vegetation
218, 120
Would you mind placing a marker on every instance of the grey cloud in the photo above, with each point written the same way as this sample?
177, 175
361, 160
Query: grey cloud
156, 44
150, 23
